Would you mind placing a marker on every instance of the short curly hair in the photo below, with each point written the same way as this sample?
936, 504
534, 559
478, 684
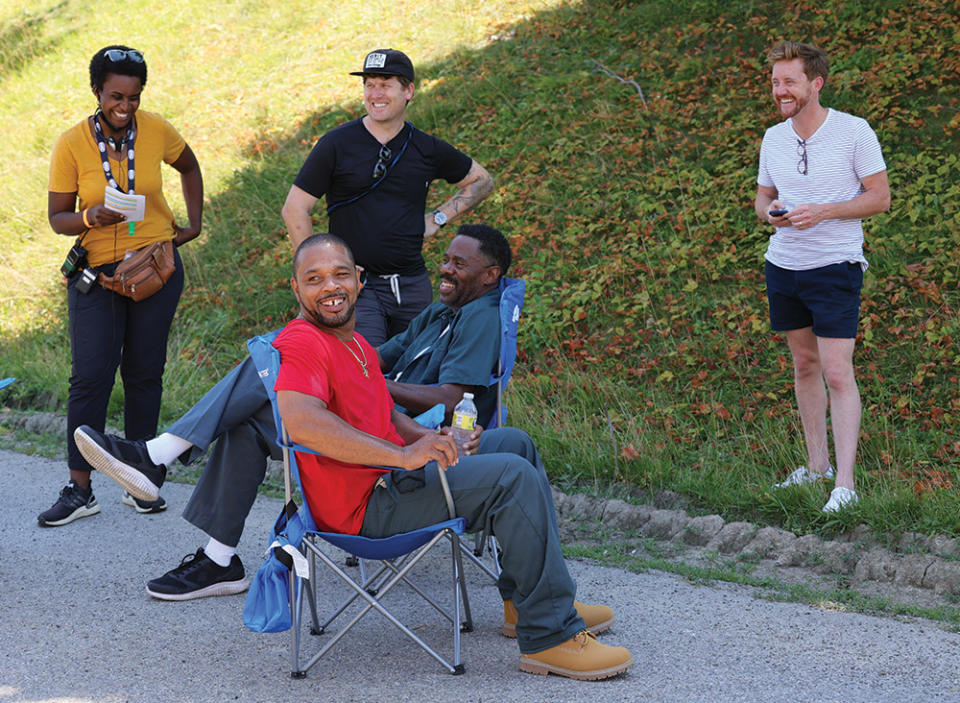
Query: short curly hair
100, 66
493, 244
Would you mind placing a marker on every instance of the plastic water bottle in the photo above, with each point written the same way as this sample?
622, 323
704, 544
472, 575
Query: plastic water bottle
464, 421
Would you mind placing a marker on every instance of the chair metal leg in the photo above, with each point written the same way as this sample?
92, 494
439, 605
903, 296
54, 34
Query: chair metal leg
416, 589
373, 603
477, 559
460, 585
365, 585
315, 628
295, 586
458, 593
372, 584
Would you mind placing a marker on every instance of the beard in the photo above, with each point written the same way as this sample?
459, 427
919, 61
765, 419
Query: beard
320, 317
799, 102
451, 298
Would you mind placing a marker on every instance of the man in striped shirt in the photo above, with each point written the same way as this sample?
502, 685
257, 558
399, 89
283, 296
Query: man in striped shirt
821, 172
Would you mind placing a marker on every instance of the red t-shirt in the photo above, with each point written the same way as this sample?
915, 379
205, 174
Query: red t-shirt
317, 363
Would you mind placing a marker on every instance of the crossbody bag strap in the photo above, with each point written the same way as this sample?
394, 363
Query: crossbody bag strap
380, 180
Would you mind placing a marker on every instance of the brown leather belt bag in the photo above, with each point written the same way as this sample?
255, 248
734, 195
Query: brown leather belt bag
143, 272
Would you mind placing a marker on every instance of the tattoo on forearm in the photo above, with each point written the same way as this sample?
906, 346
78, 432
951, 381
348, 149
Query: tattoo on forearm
470, 196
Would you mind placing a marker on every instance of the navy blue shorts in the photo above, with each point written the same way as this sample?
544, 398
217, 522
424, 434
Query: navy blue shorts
826, 298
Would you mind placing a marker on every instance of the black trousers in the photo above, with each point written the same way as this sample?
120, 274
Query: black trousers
388, 303
107, 331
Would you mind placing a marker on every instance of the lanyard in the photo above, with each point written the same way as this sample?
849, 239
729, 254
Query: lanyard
127, 142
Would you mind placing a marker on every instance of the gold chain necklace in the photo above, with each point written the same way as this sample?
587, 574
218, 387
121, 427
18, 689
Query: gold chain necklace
363, 364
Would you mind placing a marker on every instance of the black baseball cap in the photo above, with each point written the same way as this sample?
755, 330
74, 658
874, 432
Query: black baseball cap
386, 62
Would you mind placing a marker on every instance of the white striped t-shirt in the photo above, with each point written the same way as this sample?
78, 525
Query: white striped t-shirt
841, 153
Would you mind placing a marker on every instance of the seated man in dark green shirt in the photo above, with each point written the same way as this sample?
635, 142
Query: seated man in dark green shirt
451, 347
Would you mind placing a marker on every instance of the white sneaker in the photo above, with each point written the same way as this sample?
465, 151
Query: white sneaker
144, 506
801, 476
840, 498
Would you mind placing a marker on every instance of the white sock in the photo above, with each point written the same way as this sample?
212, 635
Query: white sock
219, 553
166, 448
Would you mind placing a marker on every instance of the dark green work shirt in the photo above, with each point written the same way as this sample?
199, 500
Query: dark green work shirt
443, 346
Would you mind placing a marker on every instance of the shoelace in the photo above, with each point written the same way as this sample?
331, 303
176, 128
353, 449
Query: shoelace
72, 489
189, 562
583, 637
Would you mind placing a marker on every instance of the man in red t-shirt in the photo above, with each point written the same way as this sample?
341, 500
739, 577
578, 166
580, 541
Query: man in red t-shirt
334, 400
328, 369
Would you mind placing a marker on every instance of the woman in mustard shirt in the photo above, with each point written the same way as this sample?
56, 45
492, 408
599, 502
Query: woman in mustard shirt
119, 147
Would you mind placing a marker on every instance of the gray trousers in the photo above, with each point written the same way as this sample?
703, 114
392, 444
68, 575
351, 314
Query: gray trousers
235, 414
504, 490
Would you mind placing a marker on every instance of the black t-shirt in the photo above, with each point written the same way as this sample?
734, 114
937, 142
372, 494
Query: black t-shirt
385, 227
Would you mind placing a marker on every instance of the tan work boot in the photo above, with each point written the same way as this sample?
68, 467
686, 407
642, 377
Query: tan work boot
581, 657
597, 617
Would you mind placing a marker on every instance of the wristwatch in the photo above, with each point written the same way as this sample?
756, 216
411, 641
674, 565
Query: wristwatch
439, 218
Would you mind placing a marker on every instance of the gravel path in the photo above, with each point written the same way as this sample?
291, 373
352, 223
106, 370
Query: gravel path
77, 625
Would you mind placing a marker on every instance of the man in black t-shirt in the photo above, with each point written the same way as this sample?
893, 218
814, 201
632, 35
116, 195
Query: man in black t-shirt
375, 173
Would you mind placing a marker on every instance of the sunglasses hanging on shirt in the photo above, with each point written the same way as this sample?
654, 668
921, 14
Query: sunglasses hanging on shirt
380, 170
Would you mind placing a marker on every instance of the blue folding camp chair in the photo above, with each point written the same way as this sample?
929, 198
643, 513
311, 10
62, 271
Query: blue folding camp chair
278, 587
512, 292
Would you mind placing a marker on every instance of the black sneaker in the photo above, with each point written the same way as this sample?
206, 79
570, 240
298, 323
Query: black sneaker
143, 506
125, 461
198, 576
74, 502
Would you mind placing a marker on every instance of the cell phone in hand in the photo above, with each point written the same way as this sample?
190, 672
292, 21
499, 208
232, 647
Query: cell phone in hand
779, 212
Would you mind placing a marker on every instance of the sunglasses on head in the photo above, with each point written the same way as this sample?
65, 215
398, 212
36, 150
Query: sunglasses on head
118, 55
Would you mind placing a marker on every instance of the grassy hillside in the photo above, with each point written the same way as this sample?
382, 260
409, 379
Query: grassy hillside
624, 139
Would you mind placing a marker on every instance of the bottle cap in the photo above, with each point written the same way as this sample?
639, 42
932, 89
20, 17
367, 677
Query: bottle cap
468, 395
